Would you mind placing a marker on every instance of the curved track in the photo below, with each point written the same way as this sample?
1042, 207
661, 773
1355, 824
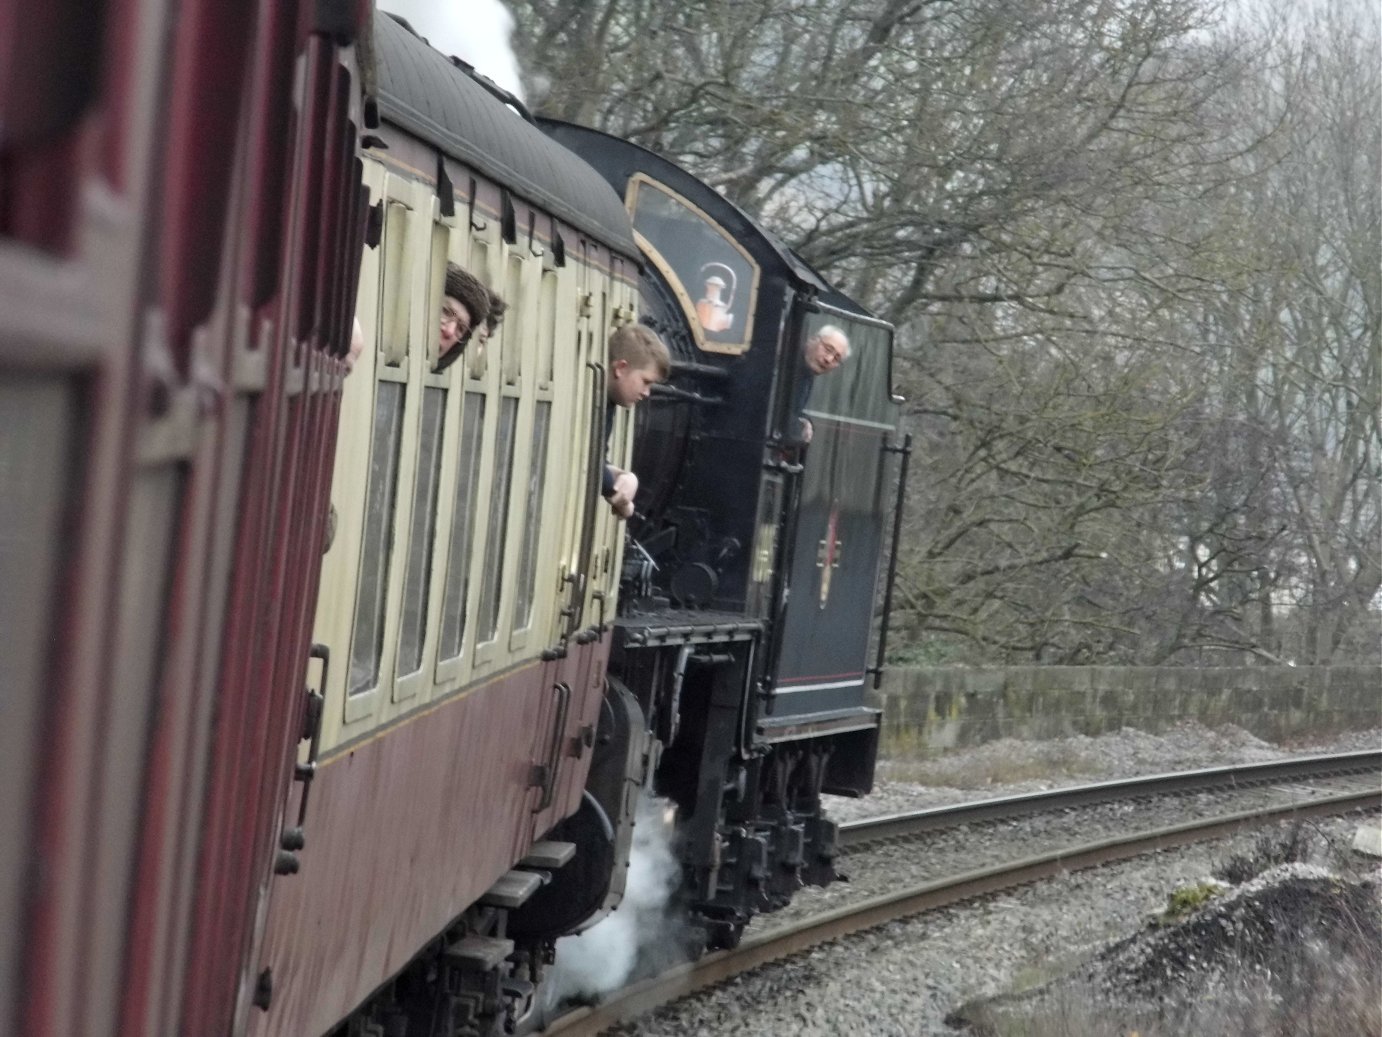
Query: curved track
1299, 768
770, 946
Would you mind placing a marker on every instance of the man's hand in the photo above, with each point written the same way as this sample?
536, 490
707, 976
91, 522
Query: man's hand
804, 430
625, 489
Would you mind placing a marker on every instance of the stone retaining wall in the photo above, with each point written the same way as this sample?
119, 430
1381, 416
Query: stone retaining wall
927, 710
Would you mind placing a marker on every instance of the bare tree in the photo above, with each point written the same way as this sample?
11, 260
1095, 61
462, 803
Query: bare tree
1133, 254
1304, 336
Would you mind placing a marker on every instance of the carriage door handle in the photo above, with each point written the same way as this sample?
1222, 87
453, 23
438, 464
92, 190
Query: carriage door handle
295, 838
546, 774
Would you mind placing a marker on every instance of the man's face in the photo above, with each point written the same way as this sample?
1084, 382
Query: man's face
630, 385
455, 325
825, 352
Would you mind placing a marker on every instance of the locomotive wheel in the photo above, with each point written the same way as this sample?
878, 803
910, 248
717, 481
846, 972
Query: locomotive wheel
721, 935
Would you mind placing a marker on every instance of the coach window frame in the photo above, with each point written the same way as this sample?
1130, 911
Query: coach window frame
474, 377
430, 382
336, 598
391, 357
513, 382
582, 354
599, 601
539, 318
622, 295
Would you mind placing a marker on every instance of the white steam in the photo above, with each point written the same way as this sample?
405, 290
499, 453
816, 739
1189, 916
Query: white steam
476, 31
603, 958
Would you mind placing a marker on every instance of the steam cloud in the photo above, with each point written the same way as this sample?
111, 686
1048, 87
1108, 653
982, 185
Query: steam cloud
603, 958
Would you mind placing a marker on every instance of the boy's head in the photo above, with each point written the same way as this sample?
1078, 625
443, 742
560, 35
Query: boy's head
638, 360
464, 307
497, 309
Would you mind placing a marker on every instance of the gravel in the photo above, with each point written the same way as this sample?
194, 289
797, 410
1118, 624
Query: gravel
878, 869
1296, 949
906, 977
982, 771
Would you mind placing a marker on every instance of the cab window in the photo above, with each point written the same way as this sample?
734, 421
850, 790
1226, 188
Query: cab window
715, 279
859, 389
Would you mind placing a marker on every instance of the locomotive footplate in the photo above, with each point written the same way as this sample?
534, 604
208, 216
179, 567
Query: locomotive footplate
792, 727
685, 627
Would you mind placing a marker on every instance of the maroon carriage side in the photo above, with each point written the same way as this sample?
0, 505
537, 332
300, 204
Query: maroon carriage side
170, 255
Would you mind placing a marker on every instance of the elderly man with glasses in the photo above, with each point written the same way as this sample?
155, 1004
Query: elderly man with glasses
824, 351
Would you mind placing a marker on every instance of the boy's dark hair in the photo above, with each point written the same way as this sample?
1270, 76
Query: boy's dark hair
466, 289
640, 346
497, 308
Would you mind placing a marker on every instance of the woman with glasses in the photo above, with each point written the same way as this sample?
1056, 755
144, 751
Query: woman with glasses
464, 306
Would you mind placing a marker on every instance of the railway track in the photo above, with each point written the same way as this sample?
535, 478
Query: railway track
1240, 776
773, 945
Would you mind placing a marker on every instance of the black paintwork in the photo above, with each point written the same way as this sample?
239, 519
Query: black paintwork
706, 468
838, 535
742, 520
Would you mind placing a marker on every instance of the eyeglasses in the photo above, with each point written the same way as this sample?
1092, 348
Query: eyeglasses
450, 315
830, 353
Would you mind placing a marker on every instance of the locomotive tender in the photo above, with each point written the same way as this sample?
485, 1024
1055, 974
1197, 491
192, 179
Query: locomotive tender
497, 666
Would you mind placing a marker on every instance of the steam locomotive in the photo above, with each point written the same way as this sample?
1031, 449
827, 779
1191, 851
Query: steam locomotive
496, 669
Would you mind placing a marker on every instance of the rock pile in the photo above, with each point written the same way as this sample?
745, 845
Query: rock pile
1296, 950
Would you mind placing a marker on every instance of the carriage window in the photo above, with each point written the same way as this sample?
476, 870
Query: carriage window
368, 642
527, 566
441, 244
397, 296
41, 468
462, 527
514, 320
546, 328
718, 278
492, 584
417, 577
52, 77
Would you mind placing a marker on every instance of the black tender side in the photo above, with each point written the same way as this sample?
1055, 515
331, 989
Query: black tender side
422, 92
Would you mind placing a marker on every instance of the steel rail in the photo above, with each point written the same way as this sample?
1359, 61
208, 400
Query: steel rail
679, 982
1295, 768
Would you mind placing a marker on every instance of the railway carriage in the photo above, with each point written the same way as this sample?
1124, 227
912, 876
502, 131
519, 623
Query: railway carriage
178, 183
468, 585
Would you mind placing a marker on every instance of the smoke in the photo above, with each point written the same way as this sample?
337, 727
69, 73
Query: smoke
642, 929
476, 31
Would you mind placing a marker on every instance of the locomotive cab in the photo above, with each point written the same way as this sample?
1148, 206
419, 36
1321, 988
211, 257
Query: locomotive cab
746, 613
